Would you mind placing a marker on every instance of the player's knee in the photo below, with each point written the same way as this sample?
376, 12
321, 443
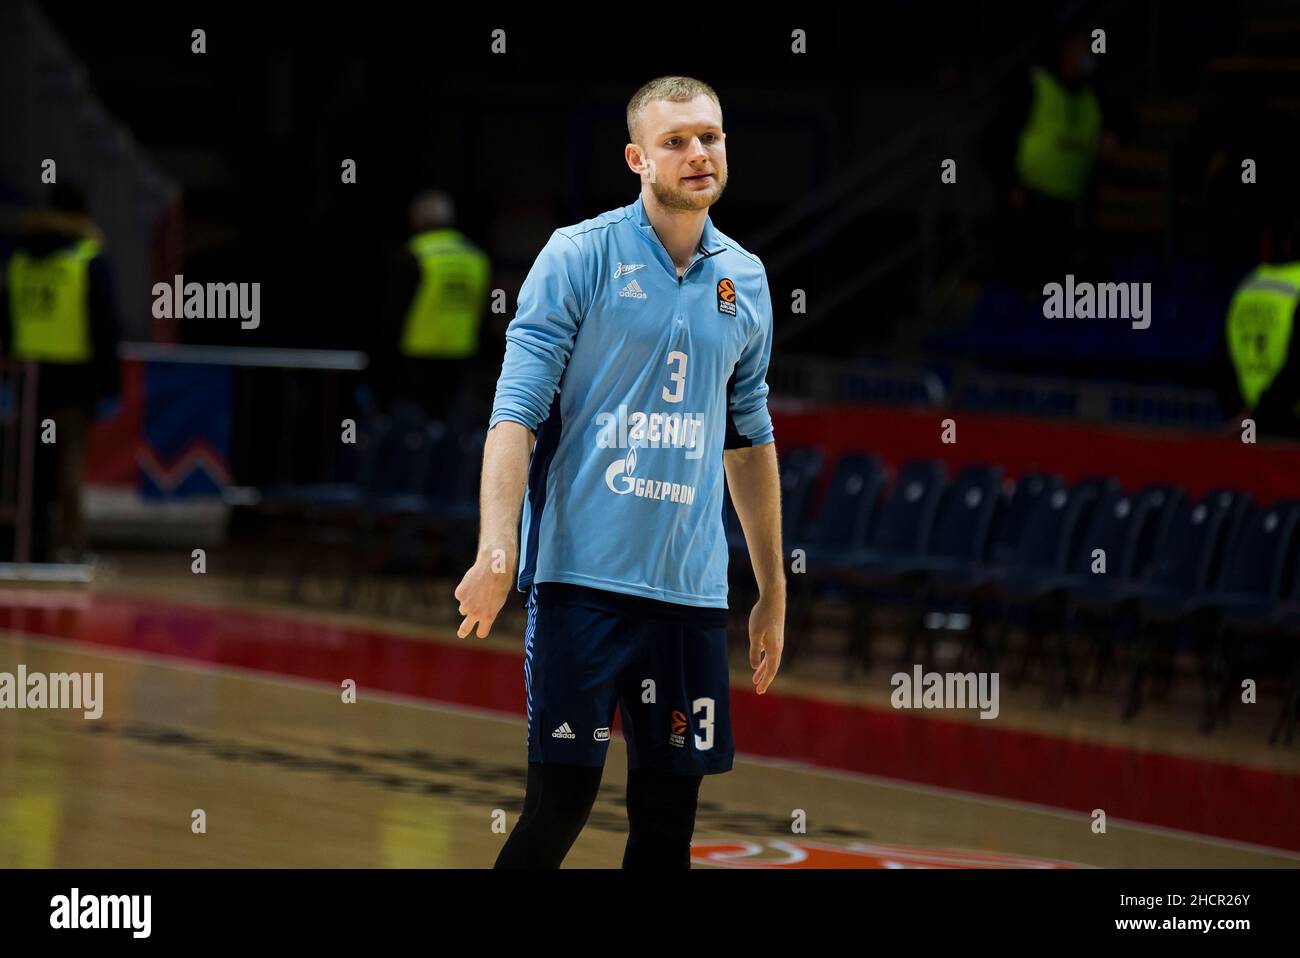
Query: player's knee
562, 795
662, 804
557, 802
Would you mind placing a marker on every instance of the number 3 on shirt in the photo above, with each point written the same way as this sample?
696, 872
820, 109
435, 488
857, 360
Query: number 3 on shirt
678, 378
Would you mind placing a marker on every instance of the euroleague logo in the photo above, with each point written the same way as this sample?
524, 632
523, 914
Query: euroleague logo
727, 297
775, 853
677, 736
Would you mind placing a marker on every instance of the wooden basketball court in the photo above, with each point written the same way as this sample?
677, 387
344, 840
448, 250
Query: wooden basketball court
235, 708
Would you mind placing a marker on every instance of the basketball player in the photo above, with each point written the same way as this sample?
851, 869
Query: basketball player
637, 362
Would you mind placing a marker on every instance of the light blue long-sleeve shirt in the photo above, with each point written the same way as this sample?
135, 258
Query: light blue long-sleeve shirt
634, 381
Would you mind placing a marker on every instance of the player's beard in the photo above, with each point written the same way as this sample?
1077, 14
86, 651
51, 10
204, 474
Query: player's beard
687, 200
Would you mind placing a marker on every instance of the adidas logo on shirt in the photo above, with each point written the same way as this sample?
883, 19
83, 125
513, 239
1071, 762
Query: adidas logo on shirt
632, 291
563, 732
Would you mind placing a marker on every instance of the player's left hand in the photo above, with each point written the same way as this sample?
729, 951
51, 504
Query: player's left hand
766, 640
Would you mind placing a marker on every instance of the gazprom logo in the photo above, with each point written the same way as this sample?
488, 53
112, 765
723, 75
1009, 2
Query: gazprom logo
619, 479
622, 467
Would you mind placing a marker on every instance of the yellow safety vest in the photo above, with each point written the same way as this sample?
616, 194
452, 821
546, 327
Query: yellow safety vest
443, 319
1259, 326
49, 304
1058, 146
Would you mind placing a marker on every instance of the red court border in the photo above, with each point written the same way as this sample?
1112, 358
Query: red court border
1212, 798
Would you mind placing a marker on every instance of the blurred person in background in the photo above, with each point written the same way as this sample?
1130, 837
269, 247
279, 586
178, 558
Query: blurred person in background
437, 294
58, 310
1040, 149
1261, 376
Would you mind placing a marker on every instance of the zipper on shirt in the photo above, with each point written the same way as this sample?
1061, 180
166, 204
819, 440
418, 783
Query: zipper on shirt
681, 279
694, 263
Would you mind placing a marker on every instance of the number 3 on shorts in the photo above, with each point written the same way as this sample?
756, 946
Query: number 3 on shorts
706, 724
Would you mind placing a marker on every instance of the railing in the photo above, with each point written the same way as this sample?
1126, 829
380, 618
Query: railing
1087, 400
815, 379
286, 406
824, 380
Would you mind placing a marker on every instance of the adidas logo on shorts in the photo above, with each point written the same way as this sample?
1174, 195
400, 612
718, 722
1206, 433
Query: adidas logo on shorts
563, 732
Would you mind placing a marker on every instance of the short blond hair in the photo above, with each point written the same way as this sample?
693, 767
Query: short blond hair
676, 89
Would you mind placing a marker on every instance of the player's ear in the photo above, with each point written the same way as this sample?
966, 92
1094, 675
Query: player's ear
635, 158
639, 163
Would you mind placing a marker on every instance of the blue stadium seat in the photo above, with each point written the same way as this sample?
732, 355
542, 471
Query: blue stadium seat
1246, 599
1238, 505
835, 536
1288, 611
960, 538
956, 550
1185, 561
1250, 585
1013, 514
801, 468
839, 530
897, 539
906, 520
451, 481
1124, 527
401, 460
1047, 542
1160, 503
1014, 503
1182, 568
448, 500
1117, 527
1130, 538
1288, 625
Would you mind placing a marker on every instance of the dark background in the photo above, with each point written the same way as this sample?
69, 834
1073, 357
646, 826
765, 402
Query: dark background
255, 129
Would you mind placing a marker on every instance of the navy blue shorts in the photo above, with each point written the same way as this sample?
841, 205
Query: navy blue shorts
663, 664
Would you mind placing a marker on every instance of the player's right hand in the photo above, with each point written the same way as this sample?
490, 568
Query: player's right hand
483, 590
